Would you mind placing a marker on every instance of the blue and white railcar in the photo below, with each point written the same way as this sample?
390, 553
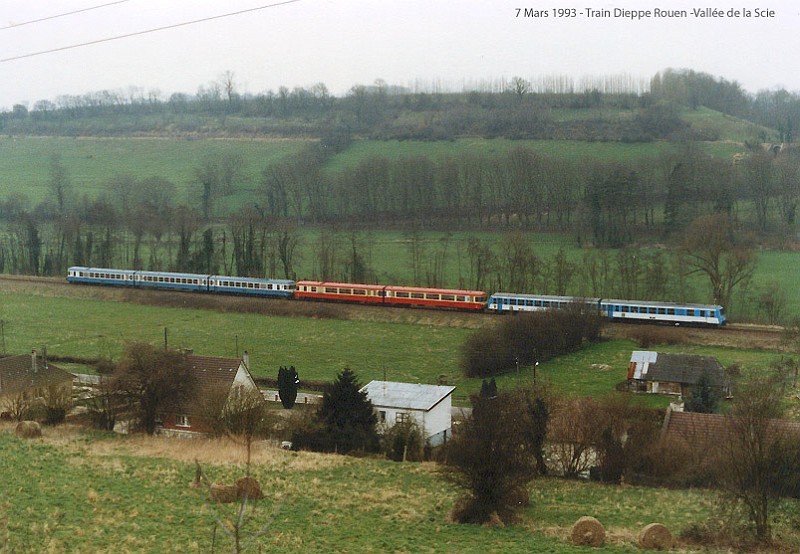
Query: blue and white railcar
672, 312
191, 282
501, 302
101, 276
280, 288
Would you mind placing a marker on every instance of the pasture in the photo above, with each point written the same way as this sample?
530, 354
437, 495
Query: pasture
77, 491
91, 163
417, 346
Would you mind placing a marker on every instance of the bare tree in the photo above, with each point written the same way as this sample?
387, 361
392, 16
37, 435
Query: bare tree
153, 380
713, 250
245, 417
752, 472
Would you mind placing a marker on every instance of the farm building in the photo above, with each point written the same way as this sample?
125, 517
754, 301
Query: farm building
657, 372
709, 430
428, 405
27, 378
214, 378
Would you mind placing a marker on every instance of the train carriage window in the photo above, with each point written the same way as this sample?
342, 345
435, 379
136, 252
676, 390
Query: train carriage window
400, 294
269, 286
448, 297
360, 292
417, 295
670, 311
332, 290
432, 296
626, 309
345, 291
662, 311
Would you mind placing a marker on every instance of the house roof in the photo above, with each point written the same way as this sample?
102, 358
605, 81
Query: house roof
211, 375
699, 428
17, 373
678, 368
388, 394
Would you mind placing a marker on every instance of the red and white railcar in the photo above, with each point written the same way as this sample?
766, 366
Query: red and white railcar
436, 298
339, 292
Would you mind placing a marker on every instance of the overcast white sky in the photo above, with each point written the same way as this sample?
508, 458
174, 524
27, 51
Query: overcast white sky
346, 42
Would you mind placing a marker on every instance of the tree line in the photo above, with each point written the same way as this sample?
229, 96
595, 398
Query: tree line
513, 108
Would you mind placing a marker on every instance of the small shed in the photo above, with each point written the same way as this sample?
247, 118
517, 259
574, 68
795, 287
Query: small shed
662, 373
429, 405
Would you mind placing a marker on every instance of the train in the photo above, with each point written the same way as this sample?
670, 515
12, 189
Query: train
391, 295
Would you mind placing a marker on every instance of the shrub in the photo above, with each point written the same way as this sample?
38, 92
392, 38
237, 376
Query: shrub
527, 339
345, 420
493, 458
404, 442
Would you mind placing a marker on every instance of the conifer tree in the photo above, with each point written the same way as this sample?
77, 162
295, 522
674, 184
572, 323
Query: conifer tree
348, 415
288, 381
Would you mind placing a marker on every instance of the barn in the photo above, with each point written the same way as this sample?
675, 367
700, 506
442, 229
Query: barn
663, 373
429, 405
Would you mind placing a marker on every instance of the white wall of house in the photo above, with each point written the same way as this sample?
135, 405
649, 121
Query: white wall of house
243, 379
435, 423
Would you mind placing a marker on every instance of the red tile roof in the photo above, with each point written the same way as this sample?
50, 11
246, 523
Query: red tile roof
708, 429
211, 375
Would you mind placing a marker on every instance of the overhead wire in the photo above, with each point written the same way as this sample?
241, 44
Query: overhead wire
49, 17
146, 31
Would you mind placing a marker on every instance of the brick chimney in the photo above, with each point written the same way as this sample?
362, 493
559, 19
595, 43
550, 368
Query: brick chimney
246, 359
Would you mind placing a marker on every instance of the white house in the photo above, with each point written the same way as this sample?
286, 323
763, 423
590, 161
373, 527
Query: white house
429, 405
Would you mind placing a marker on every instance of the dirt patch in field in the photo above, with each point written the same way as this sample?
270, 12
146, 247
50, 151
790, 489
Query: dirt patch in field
732, 337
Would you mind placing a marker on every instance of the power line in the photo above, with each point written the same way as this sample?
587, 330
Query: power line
48, 18
154, 30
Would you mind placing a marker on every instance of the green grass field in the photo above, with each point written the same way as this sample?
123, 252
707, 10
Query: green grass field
82, 492
318, 348
91, 163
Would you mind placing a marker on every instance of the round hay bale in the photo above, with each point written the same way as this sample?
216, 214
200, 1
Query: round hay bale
28, 429
587, 531
224, 494
248, 487
655, 537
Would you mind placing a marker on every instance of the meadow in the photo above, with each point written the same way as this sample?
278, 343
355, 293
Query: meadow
413, 348
76, 491
91, 163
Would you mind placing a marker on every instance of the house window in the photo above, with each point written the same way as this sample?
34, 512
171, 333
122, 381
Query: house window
401, 417
382, 416
182, 421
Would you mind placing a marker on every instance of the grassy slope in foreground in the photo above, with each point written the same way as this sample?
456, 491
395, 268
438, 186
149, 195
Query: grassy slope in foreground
79, 492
